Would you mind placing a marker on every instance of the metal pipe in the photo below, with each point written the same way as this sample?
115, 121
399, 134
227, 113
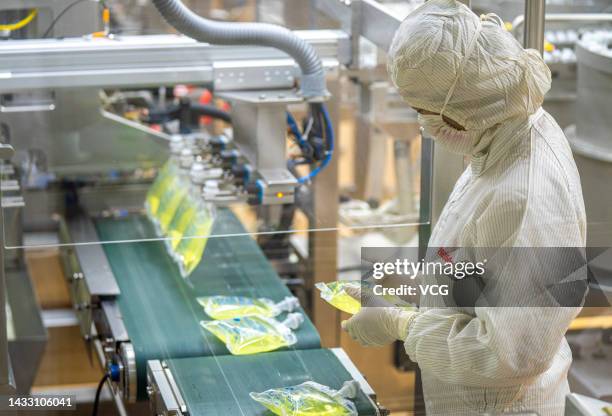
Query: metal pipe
535, 13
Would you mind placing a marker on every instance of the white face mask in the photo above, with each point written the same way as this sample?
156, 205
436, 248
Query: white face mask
457, 141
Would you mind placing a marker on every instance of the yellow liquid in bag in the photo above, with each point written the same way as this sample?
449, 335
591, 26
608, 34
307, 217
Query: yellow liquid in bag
191, 246
251, 334
158, 188
334, 294
306, 399
176, 191
228, 307
183, 217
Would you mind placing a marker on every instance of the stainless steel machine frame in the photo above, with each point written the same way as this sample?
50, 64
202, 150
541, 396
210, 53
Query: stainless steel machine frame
7, 382
143, 62
152, 60
166, 399
26, 341
45, 80
259, 113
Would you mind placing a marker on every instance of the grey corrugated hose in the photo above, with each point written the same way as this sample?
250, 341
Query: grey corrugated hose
223, 33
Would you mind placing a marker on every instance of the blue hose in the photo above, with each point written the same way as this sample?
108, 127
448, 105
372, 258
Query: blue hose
329, 133
295, 129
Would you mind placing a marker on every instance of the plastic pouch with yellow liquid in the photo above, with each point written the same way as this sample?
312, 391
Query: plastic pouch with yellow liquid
183, 217
158, 188
164, 176
255, 334
169, 203
334, 293
187, 210
176, 191
309, 399
190, 248
228, 307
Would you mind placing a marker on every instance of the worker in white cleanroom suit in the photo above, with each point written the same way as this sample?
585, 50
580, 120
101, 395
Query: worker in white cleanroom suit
479, 93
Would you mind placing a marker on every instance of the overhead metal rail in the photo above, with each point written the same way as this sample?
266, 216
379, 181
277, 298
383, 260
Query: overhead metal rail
141, 61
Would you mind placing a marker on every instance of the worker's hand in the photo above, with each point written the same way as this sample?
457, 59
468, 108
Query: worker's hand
378, 326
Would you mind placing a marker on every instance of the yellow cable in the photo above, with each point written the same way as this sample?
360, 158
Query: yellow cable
21, 23
106, 21
106, 15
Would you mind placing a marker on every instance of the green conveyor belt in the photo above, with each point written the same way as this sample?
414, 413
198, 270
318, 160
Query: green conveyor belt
159, 307
221, 385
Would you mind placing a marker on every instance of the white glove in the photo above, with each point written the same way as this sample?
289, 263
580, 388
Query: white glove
378, 326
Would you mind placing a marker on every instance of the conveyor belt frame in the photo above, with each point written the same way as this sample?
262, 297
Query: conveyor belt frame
166, 399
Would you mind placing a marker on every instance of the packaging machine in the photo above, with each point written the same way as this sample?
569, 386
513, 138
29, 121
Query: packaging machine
86, 169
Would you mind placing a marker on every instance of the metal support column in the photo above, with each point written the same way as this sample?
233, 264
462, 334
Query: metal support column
7, 382
535, 14
370, 149
323, 245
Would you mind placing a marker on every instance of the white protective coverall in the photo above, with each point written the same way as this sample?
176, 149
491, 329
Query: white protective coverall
521, 189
